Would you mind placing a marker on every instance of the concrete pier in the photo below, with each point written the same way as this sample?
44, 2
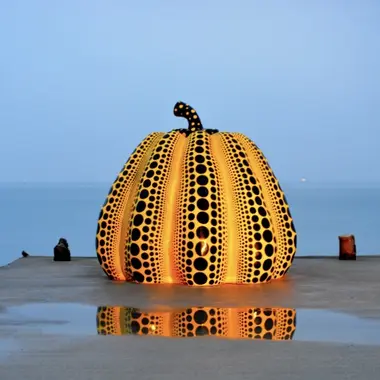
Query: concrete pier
349, 287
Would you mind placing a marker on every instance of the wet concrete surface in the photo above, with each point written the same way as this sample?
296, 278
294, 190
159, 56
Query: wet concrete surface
51, 324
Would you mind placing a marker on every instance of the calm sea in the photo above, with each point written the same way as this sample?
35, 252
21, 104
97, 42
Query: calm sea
34, 216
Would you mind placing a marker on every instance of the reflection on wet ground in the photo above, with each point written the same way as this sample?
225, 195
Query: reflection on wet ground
236, 323
227, 323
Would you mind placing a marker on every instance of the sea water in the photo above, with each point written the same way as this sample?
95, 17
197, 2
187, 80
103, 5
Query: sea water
34, 216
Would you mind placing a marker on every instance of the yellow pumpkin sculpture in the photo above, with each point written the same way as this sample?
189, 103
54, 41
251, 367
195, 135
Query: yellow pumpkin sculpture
235, 323
198, 207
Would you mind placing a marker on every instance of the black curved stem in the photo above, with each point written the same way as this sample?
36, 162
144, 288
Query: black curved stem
182, 109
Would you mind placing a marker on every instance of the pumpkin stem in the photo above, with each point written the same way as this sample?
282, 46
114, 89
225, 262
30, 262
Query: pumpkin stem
182, 109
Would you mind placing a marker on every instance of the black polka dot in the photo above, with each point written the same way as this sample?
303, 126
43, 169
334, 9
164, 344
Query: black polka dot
203, 232
267, 336
200, 263
136, 263
137, 220
138, 277
267, 235
203, 204
202, 180
267, 264
135, 234
200, 278
269, 250
200, 317
201, 169
203, 217
203, 191
134, 249
262, 211
201, 331
202, 248
269, 324
140, 206
135, 327
265, 223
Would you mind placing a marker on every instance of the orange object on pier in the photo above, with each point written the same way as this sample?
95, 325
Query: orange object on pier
347, 247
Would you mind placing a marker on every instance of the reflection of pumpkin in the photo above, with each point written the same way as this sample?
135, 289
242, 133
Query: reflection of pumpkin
254, 323
196, 207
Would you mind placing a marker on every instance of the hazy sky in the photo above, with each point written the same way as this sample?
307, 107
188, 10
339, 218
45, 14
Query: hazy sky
83, 82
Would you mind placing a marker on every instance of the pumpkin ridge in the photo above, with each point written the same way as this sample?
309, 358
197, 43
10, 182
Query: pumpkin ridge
126, 317
279, 209
130, 207
108, 320
180, 231
286, 323
255, 231
236, 200
111, 221
144, 246
220, 230
173, 228
232, 214
201, 227
170, 216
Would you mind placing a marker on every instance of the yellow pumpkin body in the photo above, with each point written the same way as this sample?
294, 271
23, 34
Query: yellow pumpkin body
196, 207
233, 323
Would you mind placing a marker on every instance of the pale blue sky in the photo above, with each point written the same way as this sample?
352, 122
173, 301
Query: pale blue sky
83, 82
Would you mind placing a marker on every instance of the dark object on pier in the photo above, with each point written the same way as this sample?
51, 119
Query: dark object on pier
62, 251
24, 254
347, 247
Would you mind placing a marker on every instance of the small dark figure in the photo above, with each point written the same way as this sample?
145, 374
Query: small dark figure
62, 251
24, 254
